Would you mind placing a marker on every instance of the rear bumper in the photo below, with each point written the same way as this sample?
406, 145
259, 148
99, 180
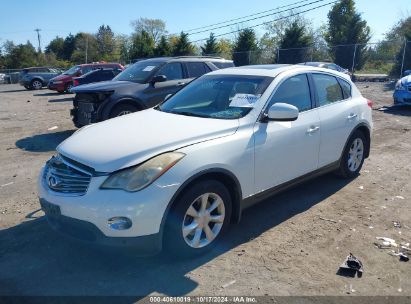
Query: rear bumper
89, 233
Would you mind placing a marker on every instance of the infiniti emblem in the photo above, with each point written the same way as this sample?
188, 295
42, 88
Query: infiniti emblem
52, 180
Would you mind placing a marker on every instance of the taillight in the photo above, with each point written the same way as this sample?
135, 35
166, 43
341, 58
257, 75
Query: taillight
75, 83
370, 103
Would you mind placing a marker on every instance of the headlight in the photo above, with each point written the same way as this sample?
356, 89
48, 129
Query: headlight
399, 85
138, 177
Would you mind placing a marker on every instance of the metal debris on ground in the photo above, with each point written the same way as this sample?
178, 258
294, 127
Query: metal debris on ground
8, 184
52, 128
400, 197
352, 263
328, 220
229, 283
397, 224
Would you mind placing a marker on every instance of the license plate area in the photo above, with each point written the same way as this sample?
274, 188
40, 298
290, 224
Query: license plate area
49, 208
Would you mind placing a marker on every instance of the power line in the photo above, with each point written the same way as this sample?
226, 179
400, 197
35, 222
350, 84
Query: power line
239, 18
274, 20
256, 18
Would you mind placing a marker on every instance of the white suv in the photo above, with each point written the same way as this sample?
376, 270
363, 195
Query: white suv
176, 175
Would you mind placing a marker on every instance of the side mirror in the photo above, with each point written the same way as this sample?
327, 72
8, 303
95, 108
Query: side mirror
282, 112
167, 97
158, 78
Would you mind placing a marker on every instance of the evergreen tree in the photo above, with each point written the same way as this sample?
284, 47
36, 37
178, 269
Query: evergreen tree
183, 47
105, 42
142, 46
345, 26
56, 46
244, 47
294, 42
68, 47
163, 48
211, 46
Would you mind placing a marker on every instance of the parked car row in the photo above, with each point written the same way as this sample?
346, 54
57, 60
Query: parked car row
206, 143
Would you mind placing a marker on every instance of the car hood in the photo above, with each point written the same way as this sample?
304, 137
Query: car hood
103, 86
131, 139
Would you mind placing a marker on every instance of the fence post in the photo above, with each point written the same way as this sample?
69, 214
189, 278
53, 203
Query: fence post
403, 56
353, 59
278, 55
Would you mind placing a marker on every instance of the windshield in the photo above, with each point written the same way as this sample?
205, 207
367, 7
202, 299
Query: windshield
218, 96
72, 70
138, 72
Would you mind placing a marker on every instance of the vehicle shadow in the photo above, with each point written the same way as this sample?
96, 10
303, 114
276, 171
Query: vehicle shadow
60, 99
401, 110
13, 91
43, 142
49, 94
38, 261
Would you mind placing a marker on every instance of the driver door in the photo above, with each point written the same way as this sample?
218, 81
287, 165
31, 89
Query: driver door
287, 150
175, 80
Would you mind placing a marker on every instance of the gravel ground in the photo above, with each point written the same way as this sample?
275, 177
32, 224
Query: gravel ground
282, 246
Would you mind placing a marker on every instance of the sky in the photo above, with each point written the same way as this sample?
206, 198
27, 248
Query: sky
59, 18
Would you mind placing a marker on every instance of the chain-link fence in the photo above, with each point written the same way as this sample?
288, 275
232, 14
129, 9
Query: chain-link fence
388, 59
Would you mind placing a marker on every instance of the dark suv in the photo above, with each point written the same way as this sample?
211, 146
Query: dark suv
142, 85
37, 77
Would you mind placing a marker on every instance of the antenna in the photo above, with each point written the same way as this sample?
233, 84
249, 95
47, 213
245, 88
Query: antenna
38, 38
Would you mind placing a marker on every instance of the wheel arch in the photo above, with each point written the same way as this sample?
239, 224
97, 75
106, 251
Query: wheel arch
227, 178
108, 108
366, 130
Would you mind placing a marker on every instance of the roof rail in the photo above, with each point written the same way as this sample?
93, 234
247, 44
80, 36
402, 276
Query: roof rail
198, 56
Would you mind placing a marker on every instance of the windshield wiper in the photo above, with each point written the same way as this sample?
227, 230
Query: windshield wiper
186, 113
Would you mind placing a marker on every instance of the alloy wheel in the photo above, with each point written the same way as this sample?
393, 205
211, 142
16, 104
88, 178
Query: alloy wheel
203, 220
355, 154
124, 113
37, 85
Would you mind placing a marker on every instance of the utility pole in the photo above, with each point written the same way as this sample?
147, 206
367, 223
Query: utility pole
38, 38
86, 49
353, 59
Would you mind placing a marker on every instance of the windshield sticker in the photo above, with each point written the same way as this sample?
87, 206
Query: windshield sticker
149, 68
244, 100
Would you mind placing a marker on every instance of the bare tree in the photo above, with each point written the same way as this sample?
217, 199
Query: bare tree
154, 27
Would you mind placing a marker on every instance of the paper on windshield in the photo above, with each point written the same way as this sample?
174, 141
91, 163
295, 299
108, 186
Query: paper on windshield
244, 100
149, 68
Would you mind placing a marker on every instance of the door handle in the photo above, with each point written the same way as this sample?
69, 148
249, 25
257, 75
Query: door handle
313, 129
351, 116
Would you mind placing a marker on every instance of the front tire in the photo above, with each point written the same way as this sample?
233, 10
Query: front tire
68, 87
353, 155
198, 220
123, 109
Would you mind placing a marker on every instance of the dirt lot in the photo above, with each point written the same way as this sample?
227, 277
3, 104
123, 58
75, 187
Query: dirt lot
281, 246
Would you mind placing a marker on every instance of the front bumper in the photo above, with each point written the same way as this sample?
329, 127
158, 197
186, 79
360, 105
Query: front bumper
86, 216
88, 232
402, 97
56, 86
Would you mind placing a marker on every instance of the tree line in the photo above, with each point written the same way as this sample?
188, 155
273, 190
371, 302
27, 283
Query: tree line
293, 39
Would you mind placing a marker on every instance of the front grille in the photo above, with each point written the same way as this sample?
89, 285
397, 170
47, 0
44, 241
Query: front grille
61, 176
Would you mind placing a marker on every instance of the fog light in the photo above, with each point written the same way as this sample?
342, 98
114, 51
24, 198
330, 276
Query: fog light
119, 223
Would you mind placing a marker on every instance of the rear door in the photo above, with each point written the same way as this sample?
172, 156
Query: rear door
175, 80
338, 115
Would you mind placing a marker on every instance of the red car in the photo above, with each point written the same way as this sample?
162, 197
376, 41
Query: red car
64, 82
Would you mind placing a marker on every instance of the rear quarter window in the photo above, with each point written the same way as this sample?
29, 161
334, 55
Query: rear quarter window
346, 88
328, 89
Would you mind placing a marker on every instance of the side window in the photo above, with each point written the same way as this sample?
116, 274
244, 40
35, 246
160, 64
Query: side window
195, 69
295, 91
328, 89
86, 69
172, 71
346, 88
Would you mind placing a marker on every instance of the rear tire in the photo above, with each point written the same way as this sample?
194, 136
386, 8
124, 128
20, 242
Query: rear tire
198, 219
123, 109
353, 155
